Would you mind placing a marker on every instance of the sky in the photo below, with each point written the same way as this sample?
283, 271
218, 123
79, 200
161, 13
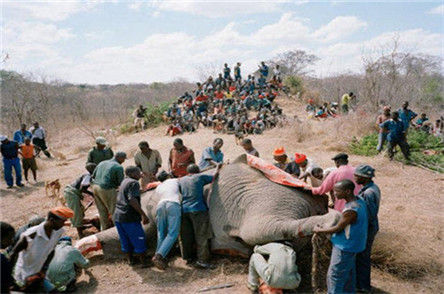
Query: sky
113, 42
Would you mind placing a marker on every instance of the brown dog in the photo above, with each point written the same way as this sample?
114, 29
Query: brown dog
54, 188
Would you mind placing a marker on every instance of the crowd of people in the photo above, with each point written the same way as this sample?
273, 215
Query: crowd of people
228, 104
44, 259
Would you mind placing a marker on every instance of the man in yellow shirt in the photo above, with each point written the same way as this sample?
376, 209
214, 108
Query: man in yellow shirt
345, 101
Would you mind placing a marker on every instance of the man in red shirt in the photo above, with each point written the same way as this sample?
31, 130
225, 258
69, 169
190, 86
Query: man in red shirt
180, 158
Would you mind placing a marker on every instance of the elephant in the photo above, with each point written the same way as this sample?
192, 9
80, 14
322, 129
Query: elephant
246, 209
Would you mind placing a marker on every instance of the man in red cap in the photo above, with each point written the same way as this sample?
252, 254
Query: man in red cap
306, 165
284, 163
35, 250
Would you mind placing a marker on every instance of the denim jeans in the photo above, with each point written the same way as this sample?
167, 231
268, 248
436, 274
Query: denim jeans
341, 275
168, 226
7, 165
382, 137
363, 264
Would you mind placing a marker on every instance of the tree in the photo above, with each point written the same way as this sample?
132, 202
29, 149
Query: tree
393, 77
294, 62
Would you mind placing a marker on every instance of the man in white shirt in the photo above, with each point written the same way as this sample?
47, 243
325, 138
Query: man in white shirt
168, 215
38, 138
35, 250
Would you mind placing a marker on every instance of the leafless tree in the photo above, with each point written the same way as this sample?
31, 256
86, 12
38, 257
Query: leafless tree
294, 62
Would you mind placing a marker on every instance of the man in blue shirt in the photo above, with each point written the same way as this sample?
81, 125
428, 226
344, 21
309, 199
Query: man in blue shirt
371, 195
263, 69
237, 72
227, 72
9, 150
211, 156
349, 238
396, 136
406, 115
20, 135
195, 227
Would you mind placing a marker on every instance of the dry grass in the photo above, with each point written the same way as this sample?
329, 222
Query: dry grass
408, 254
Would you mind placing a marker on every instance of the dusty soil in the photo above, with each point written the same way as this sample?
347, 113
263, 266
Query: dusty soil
407, 254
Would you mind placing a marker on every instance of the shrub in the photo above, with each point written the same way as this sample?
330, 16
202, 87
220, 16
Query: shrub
366, 146
154, 114
418, 140
295, 84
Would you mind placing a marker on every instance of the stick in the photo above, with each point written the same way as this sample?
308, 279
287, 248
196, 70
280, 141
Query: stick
314, 264
89, 205
216, 287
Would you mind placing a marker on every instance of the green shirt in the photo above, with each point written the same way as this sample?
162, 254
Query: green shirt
108, 174
61, 269
97, 156
282, 269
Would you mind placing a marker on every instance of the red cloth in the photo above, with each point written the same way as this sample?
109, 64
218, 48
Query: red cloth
232, 88
274, 173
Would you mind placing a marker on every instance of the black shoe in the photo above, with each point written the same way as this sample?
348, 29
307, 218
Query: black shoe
159, 261
190, 261
204, 265
20, 185
9, 187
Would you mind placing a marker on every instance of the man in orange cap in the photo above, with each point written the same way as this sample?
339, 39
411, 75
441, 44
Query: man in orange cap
285, 163
35, 250
306, 165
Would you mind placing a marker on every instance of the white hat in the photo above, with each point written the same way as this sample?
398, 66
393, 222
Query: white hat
3, 138
101, 141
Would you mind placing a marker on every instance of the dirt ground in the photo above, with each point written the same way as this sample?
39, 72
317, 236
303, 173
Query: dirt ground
408, 252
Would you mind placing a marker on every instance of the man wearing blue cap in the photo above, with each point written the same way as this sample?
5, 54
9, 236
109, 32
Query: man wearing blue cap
371, 195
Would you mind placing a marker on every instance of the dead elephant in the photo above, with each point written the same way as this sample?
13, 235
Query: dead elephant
246, 209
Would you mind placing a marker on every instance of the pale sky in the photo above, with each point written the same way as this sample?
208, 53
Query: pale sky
112, 42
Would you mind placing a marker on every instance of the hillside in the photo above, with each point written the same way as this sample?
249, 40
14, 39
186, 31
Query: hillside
408, 249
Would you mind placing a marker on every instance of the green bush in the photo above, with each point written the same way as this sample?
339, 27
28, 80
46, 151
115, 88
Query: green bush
295, 84
366, 146
418, 141
126, 128
154, 114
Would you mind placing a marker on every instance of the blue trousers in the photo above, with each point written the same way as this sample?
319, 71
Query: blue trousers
7, 165
168, 216
341, 275
363, 264
382, 137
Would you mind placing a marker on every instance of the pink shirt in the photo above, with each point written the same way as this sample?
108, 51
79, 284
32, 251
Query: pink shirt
344, 172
